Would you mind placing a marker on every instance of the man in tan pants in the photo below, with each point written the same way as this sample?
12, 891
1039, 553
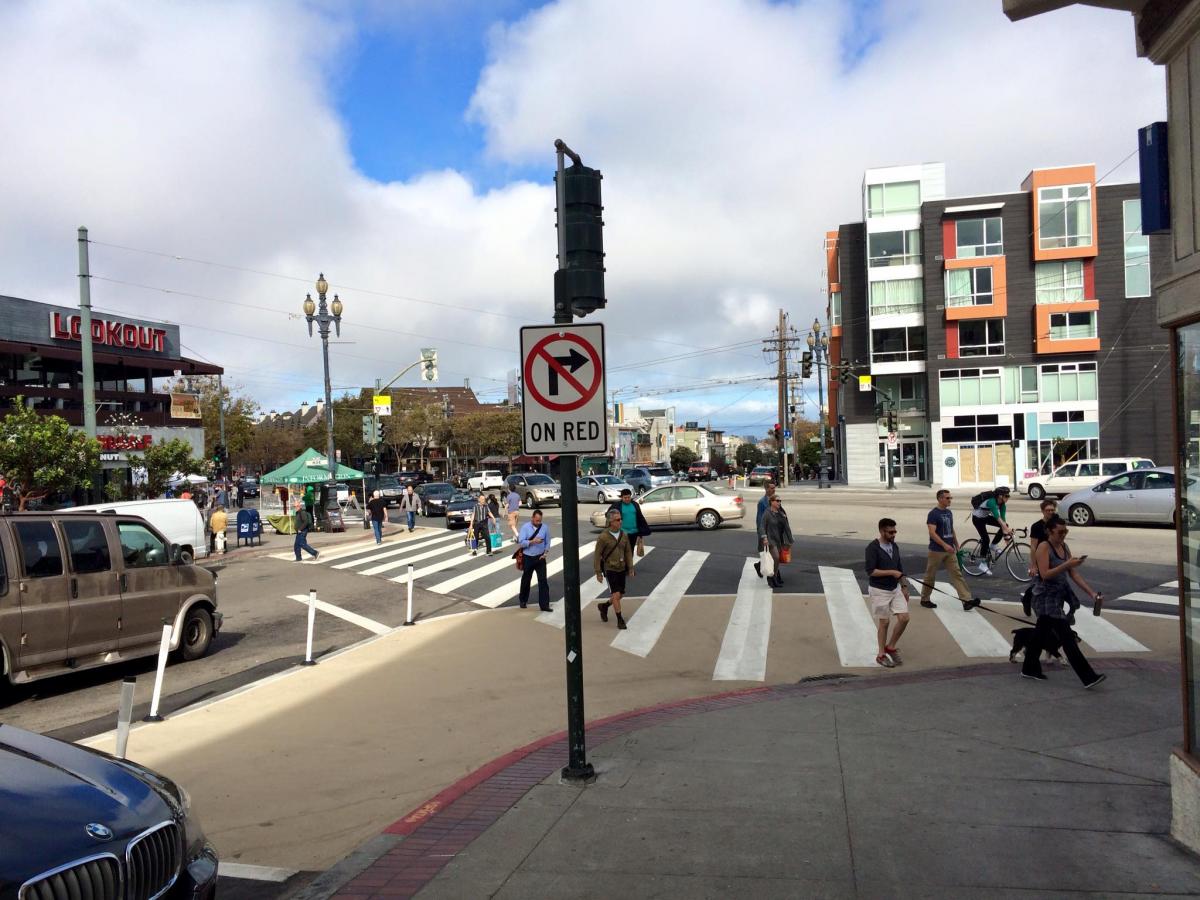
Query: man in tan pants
943, 551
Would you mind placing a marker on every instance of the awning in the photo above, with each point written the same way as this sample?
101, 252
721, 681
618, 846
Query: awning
310, 467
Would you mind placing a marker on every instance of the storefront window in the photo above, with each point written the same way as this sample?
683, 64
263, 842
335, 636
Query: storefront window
1188, 343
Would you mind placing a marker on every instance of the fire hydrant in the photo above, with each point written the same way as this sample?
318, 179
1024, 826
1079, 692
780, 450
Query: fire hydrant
220, 541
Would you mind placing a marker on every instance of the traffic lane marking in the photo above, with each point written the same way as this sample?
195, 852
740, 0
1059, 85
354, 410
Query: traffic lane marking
974, 634
424, 544
1143, 597
437, 550
648, 623
274, 874
1095, 631
853, 629
512, 589
344, 614
589, 590
743, 655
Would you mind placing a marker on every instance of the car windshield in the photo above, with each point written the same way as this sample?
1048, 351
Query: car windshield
439, 487
609, 479
661, 471
389, 481
460, 497
761, 469
539, 479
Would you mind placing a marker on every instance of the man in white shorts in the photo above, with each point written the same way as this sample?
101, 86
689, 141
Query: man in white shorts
888, 591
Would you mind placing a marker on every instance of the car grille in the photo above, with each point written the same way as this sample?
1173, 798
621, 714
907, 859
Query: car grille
153, 862
97, 878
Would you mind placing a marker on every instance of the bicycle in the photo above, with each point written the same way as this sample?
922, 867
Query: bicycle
1017, 556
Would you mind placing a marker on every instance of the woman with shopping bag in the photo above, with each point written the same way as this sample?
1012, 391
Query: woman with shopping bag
777, 535
480, 529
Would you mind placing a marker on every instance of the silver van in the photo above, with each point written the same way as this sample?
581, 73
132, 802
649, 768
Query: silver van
85, 589
1082, 473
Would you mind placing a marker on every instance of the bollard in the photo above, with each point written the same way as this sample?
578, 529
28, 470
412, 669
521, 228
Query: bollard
408, 620
124, 714
163, 649
312, 615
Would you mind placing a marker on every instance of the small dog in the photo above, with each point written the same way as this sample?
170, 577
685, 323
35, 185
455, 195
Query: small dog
1023, 637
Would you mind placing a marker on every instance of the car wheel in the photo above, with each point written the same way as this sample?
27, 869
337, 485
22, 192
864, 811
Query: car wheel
708, 519
1191, 517
1081, 514
641, 490
197, 633
529, 504
1036, 492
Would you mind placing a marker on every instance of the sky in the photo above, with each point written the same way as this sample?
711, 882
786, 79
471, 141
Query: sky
223, 153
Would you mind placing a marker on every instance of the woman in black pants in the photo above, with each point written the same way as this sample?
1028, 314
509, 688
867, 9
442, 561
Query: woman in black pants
1055, 565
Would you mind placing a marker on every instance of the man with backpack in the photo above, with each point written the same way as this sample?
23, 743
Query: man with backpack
989, 508
304, 521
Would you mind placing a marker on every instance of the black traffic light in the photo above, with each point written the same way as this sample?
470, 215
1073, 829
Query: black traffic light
579, 281
891, 420
219, 458
778, 432
806, 364
381, 432
844, 374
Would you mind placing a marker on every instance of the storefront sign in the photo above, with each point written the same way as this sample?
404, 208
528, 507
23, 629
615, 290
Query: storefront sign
111, 443
110, 333
185, 406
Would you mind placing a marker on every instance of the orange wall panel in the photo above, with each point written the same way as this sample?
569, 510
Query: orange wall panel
999, 306
1041, 328
1041, 178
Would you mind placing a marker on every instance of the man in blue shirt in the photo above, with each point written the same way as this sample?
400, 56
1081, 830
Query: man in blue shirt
943, 551
534, 540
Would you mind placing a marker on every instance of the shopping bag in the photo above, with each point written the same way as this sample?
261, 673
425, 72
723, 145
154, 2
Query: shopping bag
641, 547
766, 563
495, 539
785, 555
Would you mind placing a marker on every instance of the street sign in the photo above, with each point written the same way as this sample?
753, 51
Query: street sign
382, 404
893, 440
864, 382
787, 433
562, 389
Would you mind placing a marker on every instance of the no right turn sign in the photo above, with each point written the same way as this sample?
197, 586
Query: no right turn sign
563, 409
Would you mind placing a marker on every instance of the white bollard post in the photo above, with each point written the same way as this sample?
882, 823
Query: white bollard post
163, 649
312, 616
408, 619
124, 714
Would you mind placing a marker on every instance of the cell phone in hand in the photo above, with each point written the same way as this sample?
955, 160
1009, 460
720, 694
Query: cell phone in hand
1084, 557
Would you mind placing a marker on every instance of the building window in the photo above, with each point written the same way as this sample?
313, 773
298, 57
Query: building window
1029, 384
894, 248
977, 429
906, 390
981, 337
897, 345
1058, 282
1072, 326
1068, 381
978, 237
969, 387
1065, 216
969, 287
903, 295
1137, 251
893, 199
1070, 415
835, 308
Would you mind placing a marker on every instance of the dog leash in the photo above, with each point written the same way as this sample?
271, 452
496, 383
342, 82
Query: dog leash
994, 612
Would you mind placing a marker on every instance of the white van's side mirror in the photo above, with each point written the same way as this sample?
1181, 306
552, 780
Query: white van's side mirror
176, 554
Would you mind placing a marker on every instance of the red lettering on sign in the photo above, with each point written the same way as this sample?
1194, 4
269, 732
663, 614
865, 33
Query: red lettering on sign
113, 443
109, 333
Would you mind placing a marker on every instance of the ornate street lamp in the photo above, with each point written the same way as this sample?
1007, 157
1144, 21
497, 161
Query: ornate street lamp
324, 316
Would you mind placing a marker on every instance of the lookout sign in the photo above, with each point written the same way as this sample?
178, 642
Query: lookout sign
562, 389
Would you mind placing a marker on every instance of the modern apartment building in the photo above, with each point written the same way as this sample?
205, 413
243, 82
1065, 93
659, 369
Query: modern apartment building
1011, 332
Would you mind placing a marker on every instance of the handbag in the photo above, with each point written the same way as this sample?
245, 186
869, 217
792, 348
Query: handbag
519, 556
785, 555
766, 562
641, 547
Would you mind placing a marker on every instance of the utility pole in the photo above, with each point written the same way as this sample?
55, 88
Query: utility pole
221, 413
780, 345
85, 342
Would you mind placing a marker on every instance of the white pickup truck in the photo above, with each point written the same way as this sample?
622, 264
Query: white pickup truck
486, 480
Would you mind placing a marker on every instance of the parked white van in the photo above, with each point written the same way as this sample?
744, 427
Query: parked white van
179, 521
1082, 473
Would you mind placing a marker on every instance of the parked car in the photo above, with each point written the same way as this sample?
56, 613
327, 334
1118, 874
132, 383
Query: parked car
603, 488
413, 477
1084, 473
762, 474
1141, 495
86, 588
699, 471
248, 487
536, 490
644, 478
485, 480
434, 497
90, 824
179, 521
458, 510
685, 504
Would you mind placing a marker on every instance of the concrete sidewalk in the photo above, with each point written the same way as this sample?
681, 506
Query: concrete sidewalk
963, 783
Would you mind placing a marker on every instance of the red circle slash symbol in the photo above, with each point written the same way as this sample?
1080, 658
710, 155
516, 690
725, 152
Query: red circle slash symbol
563, 368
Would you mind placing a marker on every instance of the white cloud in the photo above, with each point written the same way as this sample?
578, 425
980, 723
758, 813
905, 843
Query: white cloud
730, 141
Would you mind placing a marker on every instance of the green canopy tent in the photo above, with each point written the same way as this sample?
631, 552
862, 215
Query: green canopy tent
310, 467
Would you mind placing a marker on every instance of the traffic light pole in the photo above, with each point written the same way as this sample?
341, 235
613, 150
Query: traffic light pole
577, 768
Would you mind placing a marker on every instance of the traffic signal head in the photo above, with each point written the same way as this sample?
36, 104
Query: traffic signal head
368, 430
579, 281
381, 432
806, 363
429, 360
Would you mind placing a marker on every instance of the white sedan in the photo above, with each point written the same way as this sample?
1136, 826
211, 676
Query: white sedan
685, 504
601, 488
1143, 495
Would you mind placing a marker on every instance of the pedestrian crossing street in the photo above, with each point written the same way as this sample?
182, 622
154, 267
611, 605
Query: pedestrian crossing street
664, 577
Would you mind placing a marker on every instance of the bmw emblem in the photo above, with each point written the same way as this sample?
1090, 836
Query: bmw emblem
99, 832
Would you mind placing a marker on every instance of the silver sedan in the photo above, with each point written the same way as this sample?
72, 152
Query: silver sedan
686, 504
601, 488
1143, 495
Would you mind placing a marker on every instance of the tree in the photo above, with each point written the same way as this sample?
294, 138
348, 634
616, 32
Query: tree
682, 457
162, 460
42, 454
748, 456
422, 426
240, 412
348, 411
271, 446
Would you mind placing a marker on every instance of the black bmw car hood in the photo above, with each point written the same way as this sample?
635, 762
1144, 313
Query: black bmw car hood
50, 791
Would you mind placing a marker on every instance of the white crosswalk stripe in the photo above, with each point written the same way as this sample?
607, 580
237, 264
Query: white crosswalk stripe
589, 589
458, 581
408, 547
341, 551
1144, 597
438, 550
743, 655
975, 635
507, 592
853, 631
647, 624
345, 614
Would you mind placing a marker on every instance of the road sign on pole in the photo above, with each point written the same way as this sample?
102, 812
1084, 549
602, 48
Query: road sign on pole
382, 404
562, 389
893, 440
